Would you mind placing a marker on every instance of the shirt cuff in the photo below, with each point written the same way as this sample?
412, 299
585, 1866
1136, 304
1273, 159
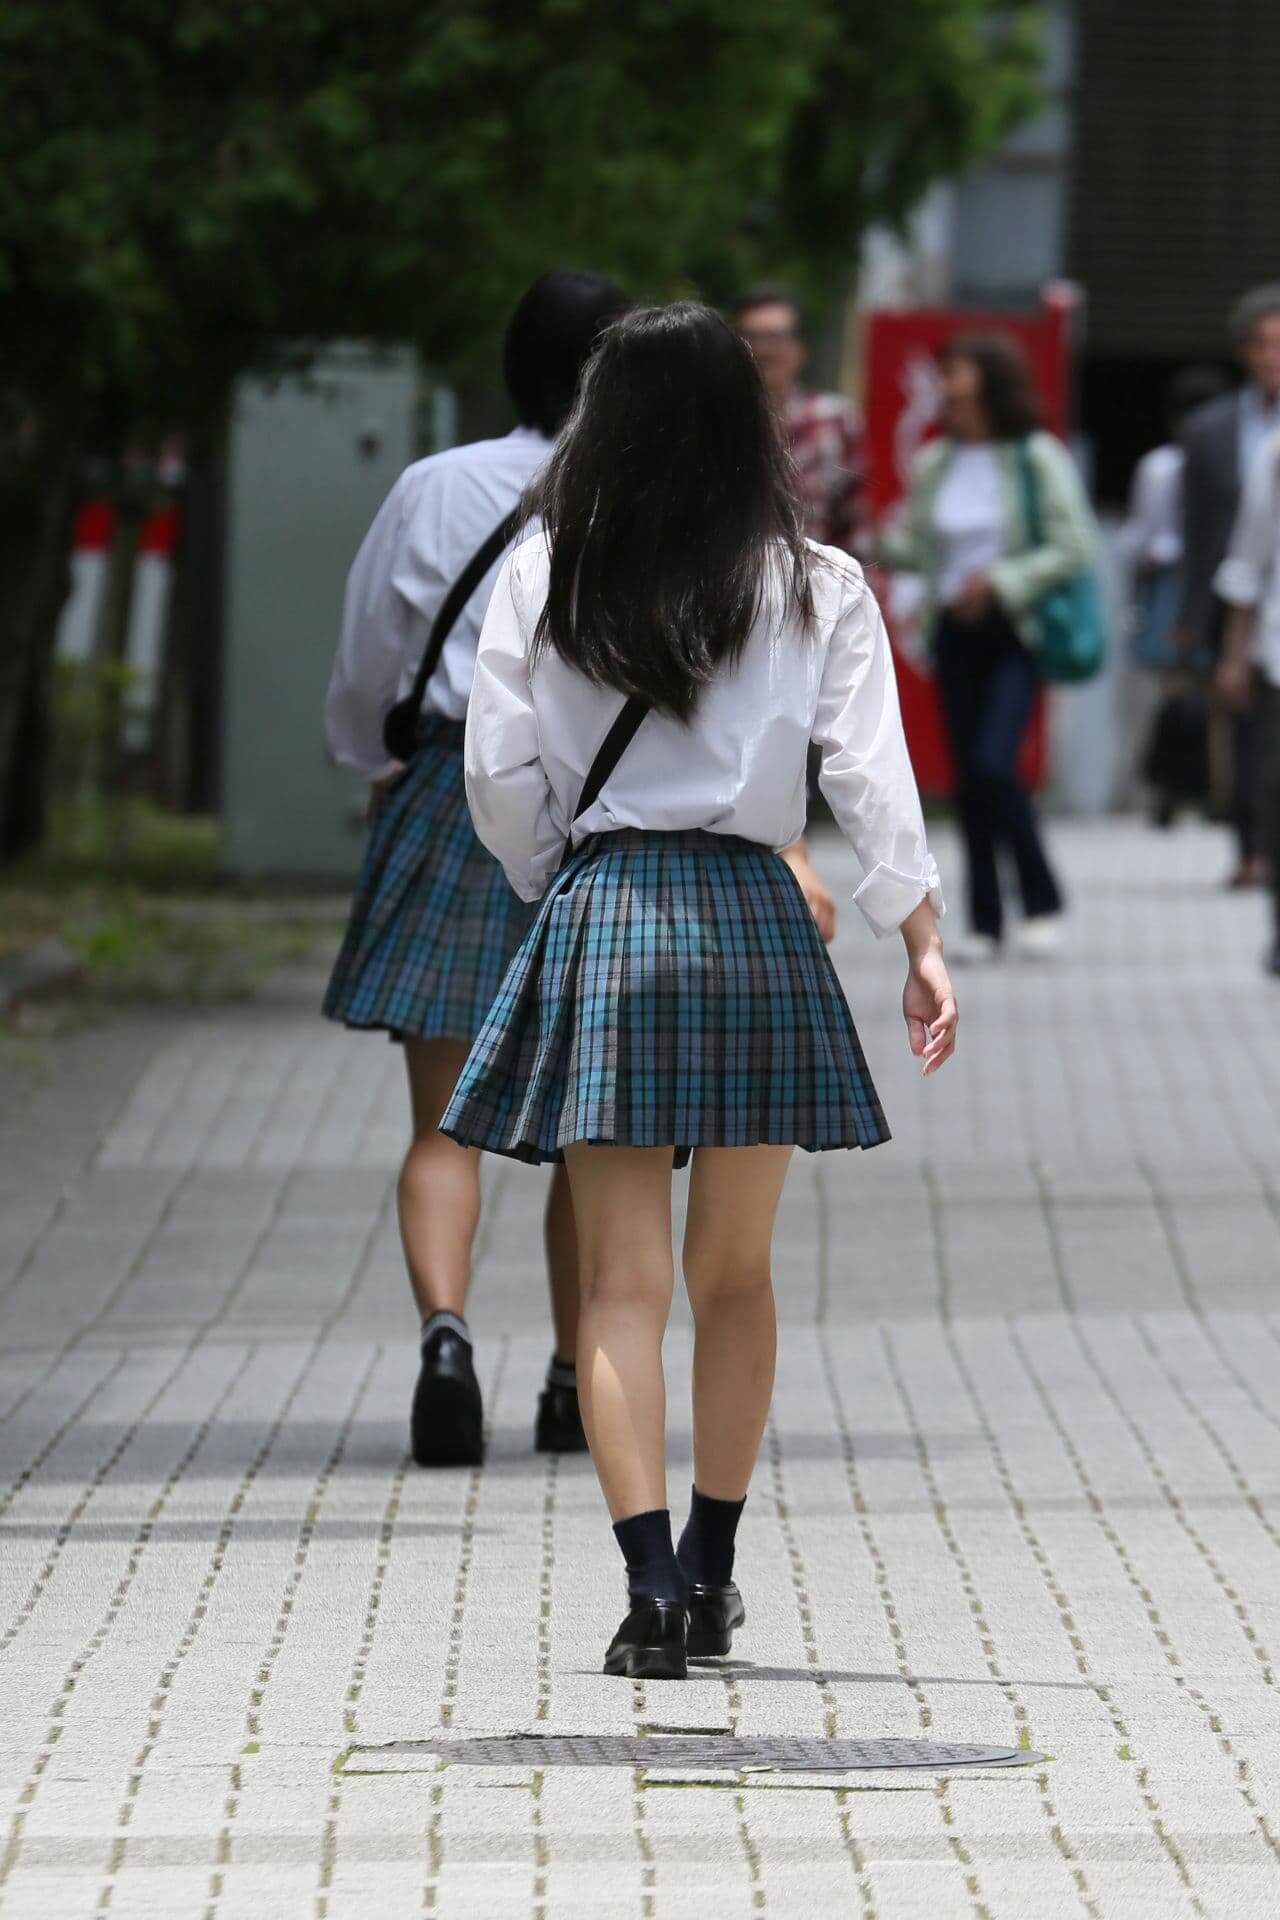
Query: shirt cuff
1163, 550
1238, 582
886, 896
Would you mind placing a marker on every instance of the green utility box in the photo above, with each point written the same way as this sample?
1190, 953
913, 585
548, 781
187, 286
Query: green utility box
312, 458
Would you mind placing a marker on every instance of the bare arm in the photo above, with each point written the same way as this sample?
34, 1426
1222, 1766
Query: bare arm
1234, 673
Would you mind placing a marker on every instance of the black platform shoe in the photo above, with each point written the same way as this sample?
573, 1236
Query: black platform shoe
650, 1643
558, 1428
714, 1615
446, 1426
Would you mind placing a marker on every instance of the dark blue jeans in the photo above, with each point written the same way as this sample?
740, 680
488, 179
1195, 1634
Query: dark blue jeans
987, 683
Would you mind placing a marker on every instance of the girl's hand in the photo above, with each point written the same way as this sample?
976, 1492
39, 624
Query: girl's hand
973, 598
929, 1008
1233, 682
379, 790
820, 903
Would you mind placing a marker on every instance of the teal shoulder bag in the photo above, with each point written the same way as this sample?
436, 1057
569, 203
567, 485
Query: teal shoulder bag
1070, 624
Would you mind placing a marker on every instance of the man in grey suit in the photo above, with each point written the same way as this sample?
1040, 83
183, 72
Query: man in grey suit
1220, 441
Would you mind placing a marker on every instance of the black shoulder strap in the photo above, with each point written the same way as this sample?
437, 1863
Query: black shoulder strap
612, 747
399, 729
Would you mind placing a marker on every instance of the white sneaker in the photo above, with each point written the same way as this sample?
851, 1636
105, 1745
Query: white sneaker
974, 950
1040, 937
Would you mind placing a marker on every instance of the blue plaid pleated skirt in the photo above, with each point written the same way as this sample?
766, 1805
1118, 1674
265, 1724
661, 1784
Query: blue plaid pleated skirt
673, 991
434, 922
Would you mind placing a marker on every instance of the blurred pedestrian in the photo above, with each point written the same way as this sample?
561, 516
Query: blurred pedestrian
673, 642
1176, 760
823, 434
822, 431
1151, 537
1220, 441
965, 529
434, 923
1248, 581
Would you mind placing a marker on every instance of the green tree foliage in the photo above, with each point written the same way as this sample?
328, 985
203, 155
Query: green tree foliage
185, 183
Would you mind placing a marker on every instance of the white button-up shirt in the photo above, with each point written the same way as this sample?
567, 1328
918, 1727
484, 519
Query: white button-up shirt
738, 767
436, 516
1250, 574
1259, 419
1152, 533
968, 518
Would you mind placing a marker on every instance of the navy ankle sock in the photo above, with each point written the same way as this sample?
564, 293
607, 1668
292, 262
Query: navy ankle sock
653, 1572
705, 1552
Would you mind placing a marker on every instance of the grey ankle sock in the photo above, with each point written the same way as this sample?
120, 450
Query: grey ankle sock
453, 1321
562, 1373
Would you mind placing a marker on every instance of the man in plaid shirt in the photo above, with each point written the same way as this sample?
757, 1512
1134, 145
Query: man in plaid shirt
822, 429
824, 435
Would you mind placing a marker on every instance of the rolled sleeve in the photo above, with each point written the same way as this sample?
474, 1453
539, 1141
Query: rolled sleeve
885, 897
866, 775
1238, 581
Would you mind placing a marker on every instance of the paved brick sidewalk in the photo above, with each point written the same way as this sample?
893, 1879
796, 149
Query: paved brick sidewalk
1022, 1484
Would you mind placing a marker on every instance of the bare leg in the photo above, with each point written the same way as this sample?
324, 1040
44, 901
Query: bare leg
562, 1265
733, 1200
622, 1204
439, 1190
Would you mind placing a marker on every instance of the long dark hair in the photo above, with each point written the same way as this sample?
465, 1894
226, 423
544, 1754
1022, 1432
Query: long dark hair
667, 501
1005, 391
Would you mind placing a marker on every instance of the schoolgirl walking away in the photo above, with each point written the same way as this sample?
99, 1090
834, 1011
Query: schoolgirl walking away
434, 923
651, 671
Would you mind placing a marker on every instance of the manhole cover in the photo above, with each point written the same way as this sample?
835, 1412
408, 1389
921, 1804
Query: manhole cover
685, 1750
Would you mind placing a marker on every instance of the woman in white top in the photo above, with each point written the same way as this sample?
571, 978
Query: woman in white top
673, 997
967, 530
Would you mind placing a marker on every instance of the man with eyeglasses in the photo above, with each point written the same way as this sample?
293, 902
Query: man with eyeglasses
822, 429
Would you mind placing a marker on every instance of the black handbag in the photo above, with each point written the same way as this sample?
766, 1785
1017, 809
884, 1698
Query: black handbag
1176, 760
400, 728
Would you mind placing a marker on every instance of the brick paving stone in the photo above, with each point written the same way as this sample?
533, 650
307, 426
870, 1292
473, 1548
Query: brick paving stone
1021, 1482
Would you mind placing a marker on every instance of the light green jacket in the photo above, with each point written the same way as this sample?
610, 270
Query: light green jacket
1023, 573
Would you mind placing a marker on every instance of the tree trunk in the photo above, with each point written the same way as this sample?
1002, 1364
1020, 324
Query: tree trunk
104, 772
172, 727
37, 514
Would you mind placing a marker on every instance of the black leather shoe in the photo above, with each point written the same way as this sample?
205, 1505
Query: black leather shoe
650, 1643
446, 1426
714, 1615
558, 1428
